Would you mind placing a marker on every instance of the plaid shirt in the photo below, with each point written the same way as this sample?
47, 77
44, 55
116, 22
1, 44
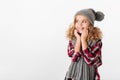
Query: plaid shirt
92, 55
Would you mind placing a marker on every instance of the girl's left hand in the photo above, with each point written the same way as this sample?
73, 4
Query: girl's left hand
84, 34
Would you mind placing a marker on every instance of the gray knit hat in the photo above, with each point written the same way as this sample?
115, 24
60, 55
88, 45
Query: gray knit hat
91, 15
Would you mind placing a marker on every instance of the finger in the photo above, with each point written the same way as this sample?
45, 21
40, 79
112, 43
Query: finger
75, 30
85, 31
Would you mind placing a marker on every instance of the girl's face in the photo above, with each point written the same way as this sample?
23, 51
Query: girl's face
81, 23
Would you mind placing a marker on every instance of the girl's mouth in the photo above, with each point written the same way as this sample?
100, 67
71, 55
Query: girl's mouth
79, 33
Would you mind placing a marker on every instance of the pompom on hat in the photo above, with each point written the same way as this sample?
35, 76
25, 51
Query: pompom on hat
91, 15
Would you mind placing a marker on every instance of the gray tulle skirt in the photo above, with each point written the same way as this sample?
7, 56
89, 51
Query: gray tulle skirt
80, 70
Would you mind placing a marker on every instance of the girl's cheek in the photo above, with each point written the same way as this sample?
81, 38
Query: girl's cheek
75, 24
85, 26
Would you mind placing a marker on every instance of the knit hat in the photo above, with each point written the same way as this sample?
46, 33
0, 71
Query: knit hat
91, 15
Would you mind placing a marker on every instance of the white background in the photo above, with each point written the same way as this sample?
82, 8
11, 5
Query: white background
33, 44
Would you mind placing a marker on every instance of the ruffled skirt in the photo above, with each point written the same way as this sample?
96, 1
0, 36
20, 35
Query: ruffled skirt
80, 70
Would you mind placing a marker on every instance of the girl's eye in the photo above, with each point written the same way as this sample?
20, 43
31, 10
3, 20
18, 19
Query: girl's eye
84, 21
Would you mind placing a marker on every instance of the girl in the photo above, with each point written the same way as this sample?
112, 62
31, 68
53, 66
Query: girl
84, 46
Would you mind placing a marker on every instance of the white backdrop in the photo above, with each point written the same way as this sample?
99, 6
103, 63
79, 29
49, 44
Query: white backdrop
33, 45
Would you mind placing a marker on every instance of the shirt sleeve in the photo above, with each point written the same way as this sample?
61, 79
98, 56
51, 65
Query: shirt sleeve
92, 55
71, 53
70, 49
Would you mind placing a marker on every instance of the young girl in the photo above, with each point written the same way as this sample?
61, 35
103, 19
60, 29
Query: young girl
84, 46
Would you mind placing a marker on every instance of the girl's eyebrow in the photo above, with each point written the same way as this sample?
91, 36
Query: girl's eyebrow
85, 20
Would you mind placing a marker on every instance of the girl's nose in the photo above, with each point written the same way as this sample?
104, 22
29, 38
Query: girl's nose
79, 23
80, 26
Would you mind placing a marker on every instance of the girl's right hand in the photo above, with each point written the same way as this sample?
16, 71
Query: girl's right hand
76, 34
